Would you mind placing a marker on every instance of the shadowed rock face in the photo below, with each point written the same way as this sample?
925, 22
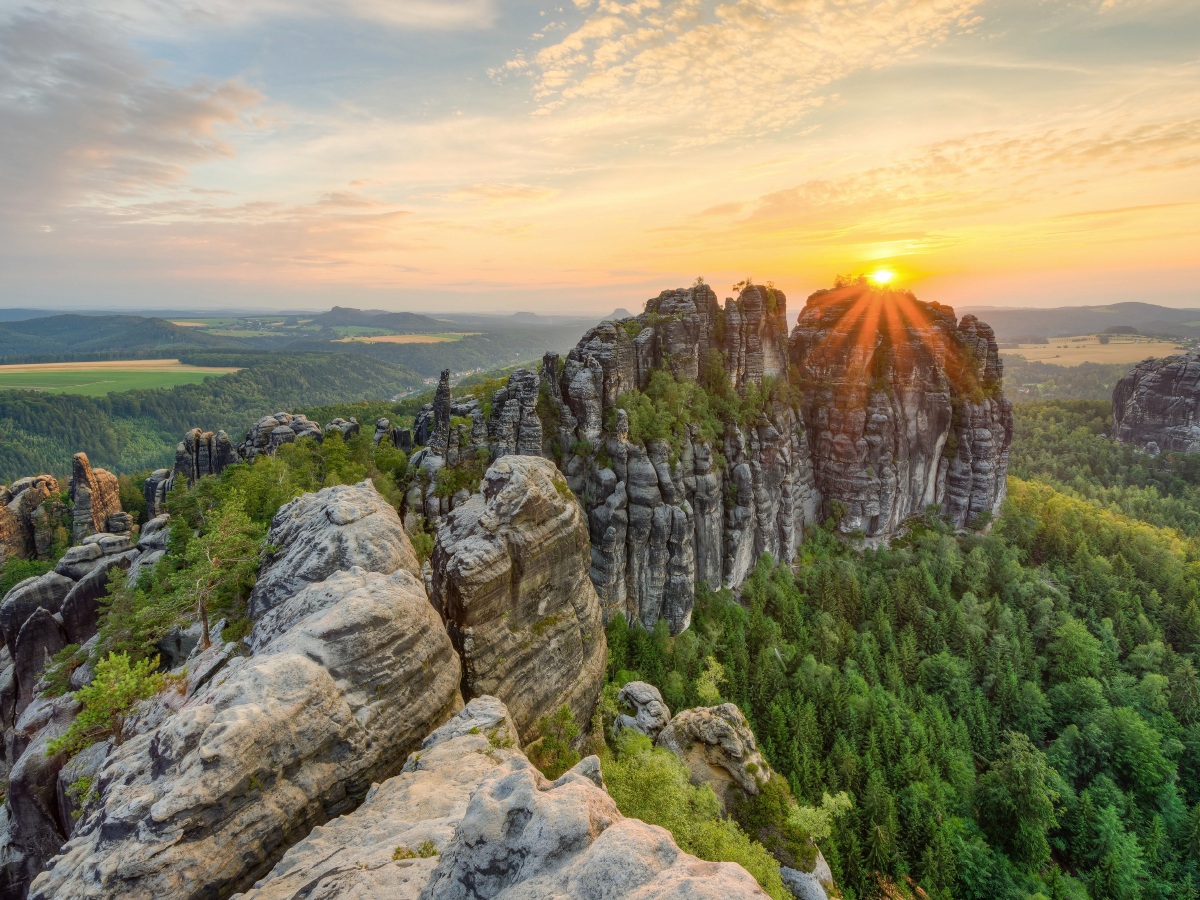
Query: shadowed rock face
276, 743
1158, 402
902, 407
510, 578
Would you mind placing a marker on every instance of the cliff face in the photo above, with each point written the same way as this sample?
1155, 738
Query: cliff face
903, 406
878, 401
1155, 405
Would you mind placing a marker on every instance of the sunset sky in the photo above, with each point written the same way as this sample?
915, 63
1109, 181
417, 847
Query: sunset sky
576, 156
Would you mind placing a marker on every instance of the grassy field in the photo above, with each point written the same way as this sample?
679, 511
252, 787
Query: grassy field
406, 338
96, 379
1083, 349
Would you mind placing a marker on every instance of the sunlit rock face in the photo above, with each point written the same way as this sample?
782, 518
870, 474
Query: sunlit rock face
902, 406
1157, 403
893, 406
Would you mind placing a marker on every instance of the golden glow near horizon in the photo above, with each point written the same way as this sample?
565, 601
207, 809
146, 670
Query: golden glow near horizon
882, 276
504, 155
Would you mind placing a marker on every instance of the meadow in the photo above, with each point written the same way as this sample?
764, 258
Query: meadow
403, 338
1074, 351
96, 379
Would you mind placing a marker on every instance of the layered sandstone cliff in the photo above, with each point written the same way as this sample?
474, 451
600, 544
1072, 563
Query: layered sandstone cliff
879, 407
1157, 405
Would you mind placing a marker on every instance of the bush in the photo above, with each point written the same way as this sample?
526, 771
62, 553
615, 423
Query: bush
119, 684
653, 785
552, 752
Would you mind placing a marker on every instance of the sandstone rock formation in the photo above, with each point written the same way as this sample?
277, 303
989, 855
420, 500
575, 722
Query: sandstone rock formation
20, 515
718, 747
903, 407
203, 453
346, 427
510, 578
95, 496
1158, 402
275, 744
891, 406
500, 829
356, 854
650, 716
269, 433
333, 529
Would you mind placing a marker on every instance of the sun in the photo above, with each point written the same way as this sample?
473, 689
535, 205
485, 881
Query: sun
882, 276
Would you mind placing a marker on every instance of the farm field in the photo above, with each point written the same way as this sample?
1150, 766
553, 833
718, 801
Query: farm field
1074, 352
406, 338
95, 379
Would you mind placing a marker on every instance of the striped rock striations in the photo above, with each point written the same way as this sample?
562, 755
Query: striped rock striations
1156, 405
877, 401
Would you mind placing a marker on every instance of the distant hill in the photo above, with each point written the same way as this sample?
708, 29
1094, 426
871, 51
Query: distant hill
1147, 318
71, 333
16, 315
399, 321
621, 313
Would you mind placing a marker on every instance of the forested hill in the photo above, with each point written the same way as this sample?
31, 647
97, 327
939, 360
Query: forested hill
138, 429
109, 335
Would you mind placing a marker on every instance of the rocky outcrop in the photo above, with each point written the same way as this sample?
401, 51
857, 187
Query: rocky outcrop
275, 744
903, 407
650, 714
1156, 405
347, 428
95, 496
202, 453
334, 529
719, 748
877, 405
269, 433
25, 528
439, 436
499, 829
510, 578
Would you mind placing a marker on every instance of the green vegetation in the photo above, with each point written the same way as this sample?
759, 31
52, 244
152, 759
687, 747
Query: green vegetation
99, 382
1059, 443
1008, 715
668, 405
552, 750
119, 684
653, 785
135, 430
1045, 381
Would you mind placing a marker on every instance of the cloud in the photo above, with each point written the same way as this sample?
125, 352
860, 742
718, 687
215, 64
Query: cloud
494, 194
705, 72
180, 18
84, 120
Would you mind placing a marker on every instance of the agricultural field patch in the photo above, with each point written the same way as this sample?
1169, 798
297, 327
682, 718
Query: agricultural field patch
95, 379
1074, 351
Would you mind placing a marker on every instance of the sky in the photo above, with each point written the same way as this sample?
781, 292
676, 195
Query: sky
581, 155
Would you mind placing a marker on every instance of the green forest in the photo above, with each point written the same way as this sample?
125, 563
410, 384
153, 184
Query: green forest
1012, 714
135, 430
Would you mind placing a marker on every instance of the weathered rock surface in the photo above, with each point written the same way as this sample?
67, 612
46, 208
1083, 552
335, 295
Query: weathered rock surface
265, 436
95, 495
276, 743
812, 885
202, 453
523, 837
718, 747
355, 854
651, 715
510, 578
81, 607
902, 406
21, 514
501, 831
334, 529
47, 591
1158, 403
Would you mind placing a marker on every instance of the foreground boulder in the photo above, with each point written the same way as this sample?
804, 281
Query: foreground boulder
719, 748
510, 576
334, 529
275, 744
650, 716
495, 829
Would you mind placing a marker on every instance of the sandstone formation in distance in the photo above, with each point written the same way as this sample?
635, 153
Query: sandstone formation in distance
1157, 405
